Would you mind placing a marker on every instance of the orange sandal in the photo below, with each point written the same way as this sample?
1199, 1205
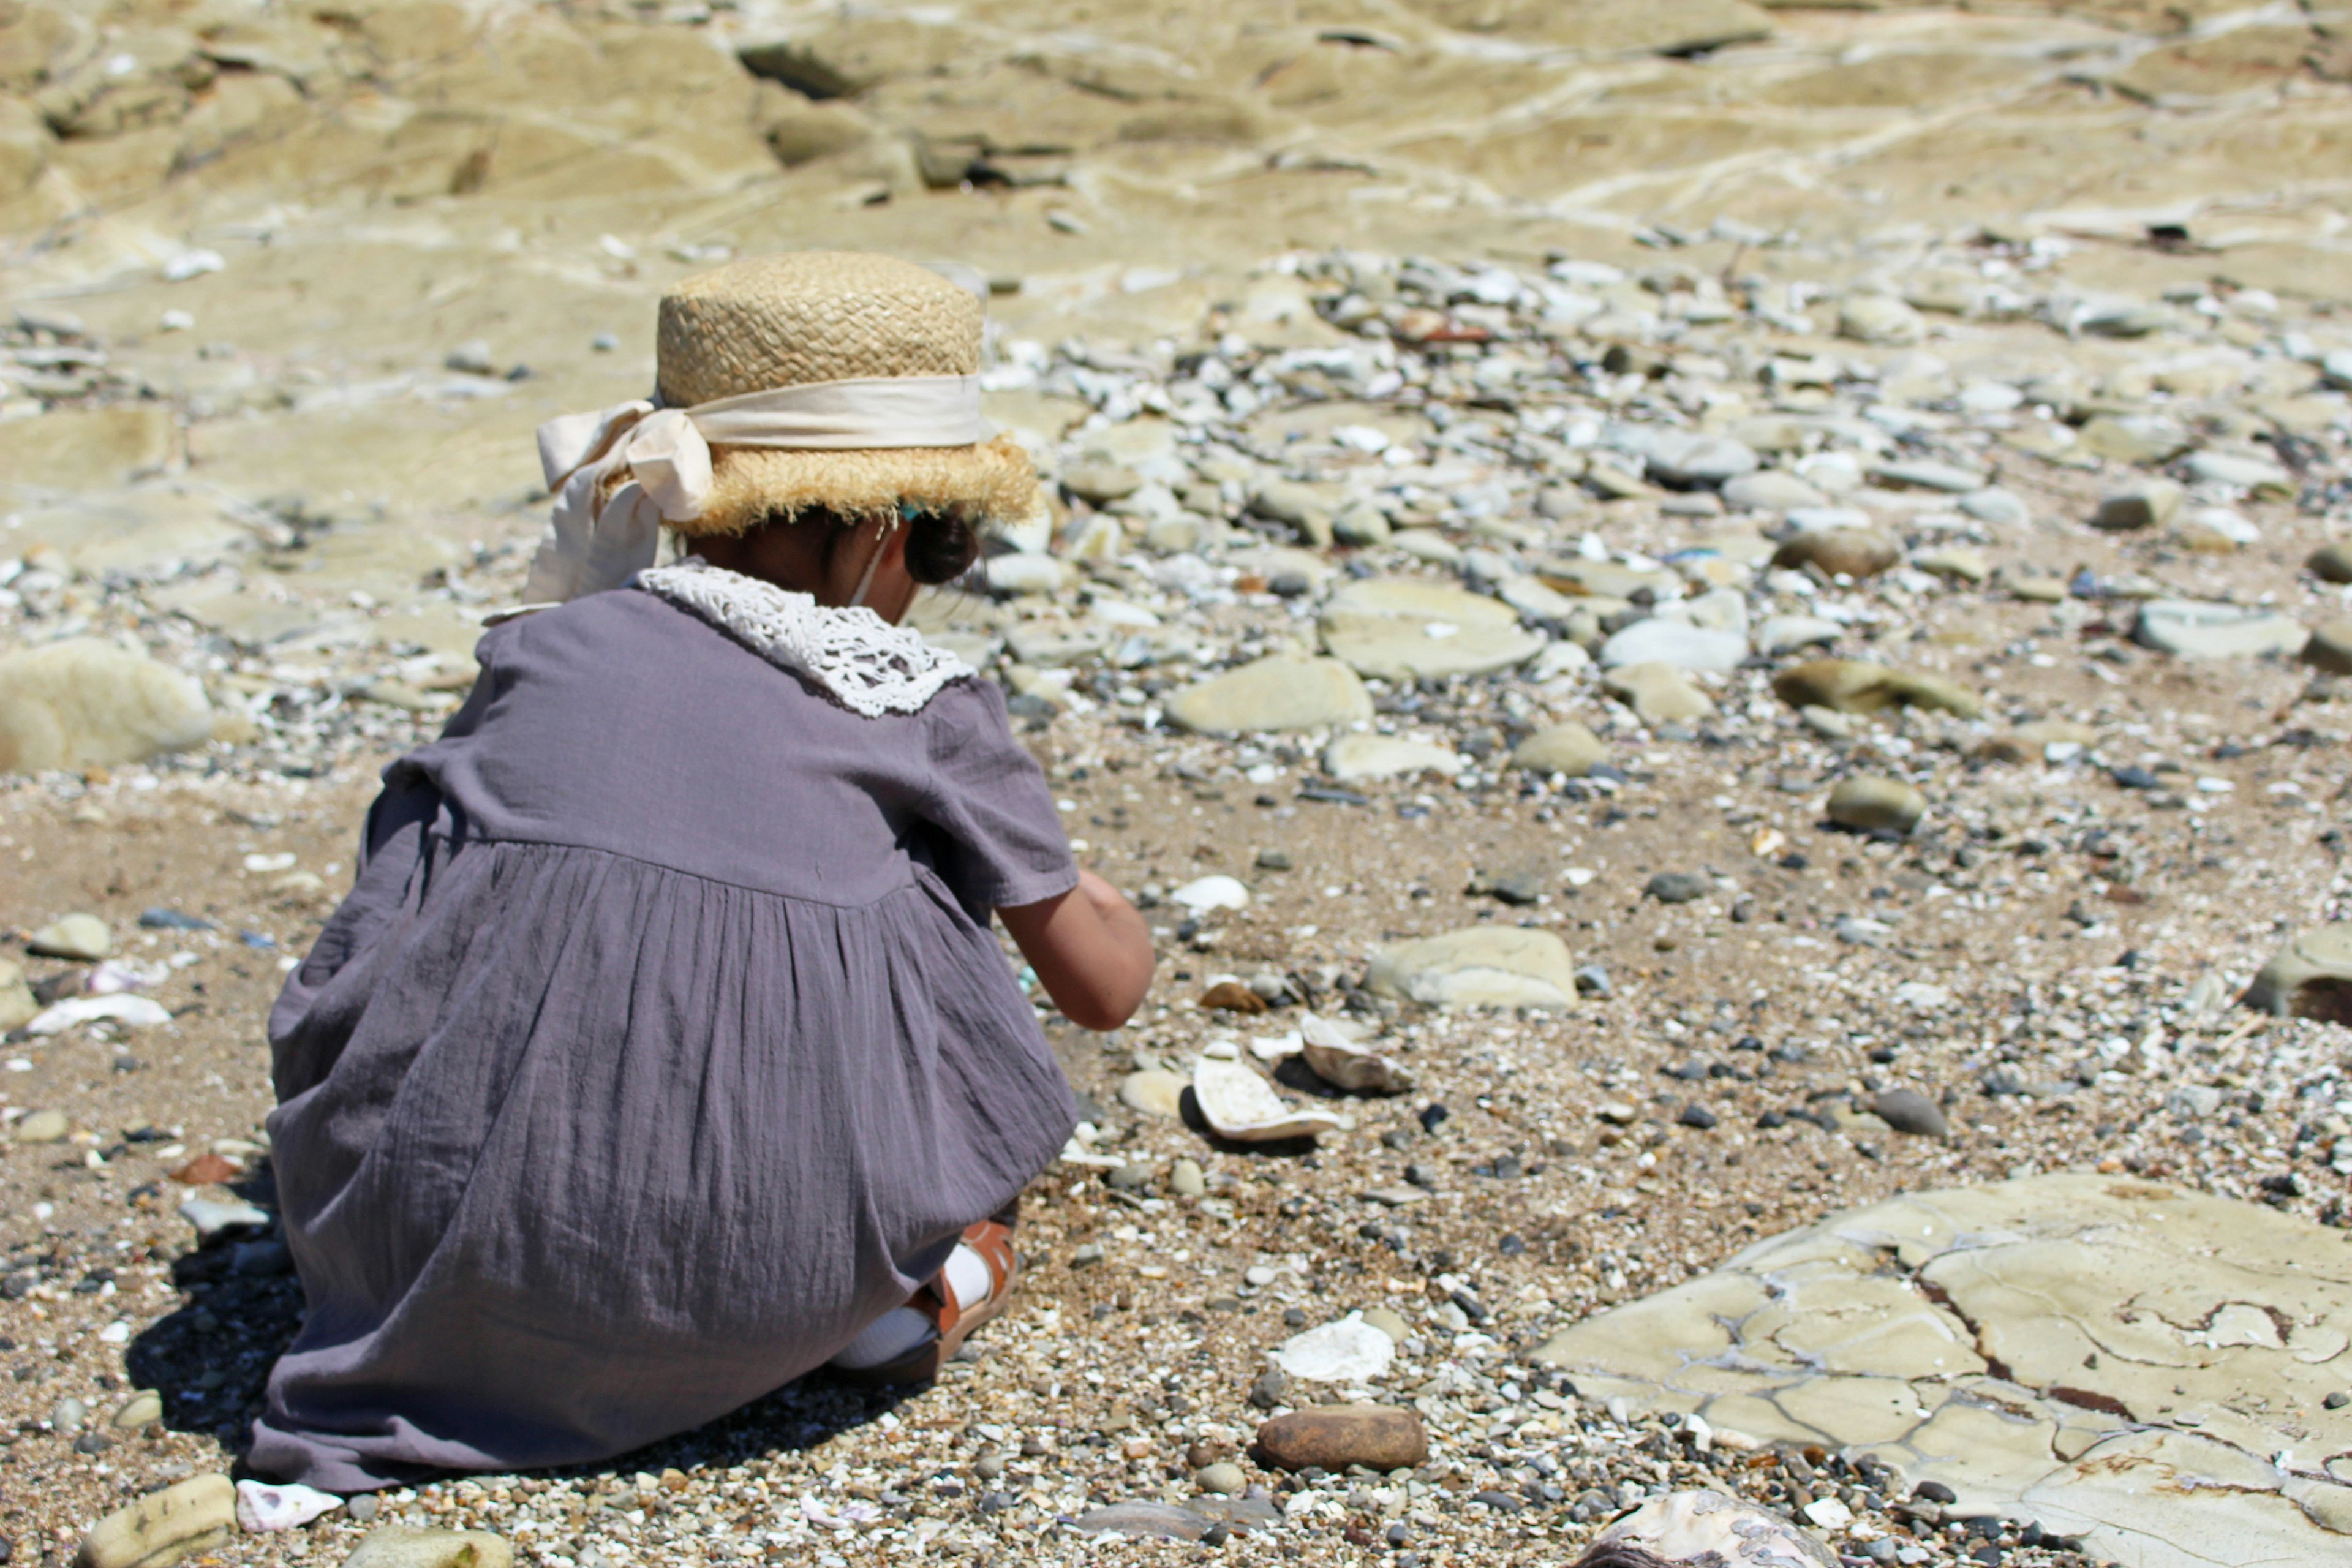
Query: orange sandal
954, 1320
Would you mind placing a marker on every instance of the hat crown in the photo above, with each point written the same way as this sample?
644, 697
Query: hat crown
811, 316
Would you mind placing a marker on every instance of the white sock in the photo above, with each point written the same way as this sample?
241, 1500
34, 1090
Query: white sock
967, 1275
901, 1328
886, 1338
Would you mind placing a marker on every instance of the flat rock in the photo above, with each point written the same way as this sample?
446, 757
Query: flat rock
1674, 644
2187, 628
85, 703
1840, 552
1401, 628
399, 1546
1773, 489
1354, 758
1927, 474
1877, 804
80, 936
1147, 1521
1379, 1436
1688, 461
164, 1527
2239, 470
2310, 977
1786, 634
1852, 686
46, 1126
1879, 319
1569, 748
1279, 692
1658, 693
1488, 966
2063, 1348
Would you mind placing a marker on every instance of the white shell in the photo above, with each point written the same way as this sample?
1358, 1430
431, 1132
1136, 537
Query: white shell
262, 1508
1211, 893
1684, 1526
1239, 1105
1338, 1059
1348, 1350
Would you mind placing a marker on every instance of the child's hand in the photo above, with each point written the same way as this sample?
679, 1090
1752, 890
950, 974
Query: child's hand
1090, 949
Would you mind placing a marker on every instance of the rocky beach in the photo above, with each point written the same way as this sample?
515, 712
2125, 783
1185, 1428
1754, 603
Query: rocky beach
1715, 637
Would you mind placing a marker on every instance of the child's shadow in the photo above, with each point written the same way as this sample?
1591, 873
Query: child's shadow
211, 1356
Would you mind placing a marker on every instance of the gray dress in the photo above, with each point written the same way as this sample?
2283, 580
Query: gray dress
661, 1046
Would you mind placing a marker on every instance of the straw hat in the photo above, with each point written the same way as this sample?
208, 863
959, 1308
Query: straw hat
814, 316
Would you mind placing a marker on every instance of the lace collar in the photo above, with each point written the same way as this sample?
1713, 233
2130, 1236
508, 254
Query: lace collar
861, 661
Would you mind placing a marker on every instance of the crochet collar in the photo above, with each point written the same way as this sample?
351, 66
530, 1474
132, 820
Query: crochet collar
857, 657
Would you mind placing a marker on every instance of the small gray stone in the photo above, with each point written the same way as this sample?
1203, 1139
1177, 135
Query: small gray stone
2193, 1101
1678, 887
1908, 1111
1268, 1391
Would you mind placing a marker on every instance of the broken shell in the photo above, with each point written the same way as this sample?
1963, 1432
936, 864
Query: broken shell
1339, 1060
1709, 1526
1238, 1104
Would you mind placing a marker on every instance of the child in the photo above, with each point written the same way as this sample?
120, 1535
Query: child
661, 1052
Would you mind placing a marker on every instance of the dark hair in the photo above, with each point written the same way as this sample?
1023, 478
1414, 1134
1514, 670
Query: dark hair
940, 547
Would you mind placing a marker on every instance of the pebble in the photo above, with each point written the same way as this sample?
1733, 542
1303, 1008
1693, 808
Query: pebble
1873, 805
1908, 1111
164, 1527
80, 936
1225, 1478
405, 1546
1145, 1520
1332, 1438
1675, 644
17, 1003
2330, 648
1186, 1179
2149, 504
2332, 561
1678, 887
43, 1127
1840, 552
1658, 693
1268, 1391
1879, 319
1691, 462
1773, 490
211, 1216
1787, 633
1355, 758
1567, 747
1696, 1116
144, 1405
1852, 686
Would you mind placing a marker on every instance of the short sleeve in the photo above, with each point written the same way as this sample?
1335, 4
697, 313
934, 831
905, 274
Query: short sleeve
1000, 843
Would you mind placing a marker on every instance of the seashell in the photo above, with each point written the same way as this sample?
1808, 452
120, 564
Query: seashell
1238, 1104
1709, 1527
1339, 1060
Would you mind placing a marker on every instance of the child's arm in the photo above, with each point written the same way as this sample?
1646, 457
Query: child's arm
1090, 948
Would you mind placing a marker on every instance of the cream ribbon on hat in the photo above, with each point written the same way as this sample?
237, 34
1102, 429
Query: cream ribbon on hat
664, 454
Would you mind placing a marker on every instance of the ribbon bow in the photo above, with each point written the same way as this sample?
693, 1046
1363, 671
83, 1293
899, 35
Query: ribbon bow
588, 548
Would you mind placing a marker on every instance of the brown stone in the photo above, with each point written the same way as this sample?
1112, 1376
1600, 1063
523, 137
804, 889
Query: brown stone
1232, 997
1332, 1439
1840, 552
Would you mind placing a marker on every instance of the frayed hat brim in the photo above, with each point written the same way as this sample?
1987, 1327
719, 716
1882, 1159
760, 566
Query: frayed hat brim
994, 483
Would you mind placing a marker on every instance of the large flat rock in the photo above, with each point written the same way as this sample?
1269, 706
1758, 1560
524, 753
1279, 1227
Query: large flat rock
1398, 628
2136, 1363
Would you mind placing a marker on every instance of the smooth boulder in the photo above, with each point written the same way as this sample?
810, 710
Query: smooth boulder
1870, 804
85, 703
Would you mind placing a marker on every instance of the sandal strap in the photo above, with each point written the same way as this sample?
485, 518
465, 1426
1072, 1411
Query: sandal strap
992, 1240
